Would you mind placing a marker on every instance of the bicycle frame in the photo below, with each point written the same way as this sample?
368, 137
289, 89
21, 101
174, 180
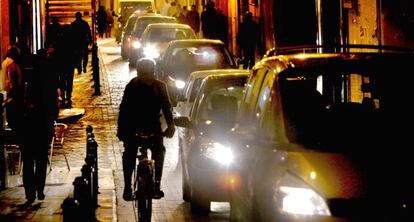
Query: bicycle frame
144, 177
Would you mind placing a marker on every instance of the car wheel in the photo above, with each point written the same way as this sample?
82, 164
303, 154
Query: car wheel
200, 203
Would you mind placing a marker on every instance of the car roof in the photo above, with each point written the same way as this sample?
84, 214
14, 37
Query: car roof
318, 59
168, 25
204, 73
156, 16
189, 42
225, 75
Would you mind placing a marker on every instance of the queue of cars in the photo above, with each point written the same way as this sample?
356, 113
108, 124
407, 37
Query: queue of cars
317, 137
303, 136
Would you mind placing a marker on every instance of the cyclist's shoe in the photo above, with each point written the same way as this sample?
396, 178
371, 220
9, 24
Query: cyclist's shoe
127, 194
158, 194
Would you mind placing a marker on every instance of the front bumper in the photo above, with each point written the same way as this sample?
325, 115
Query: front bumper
213, 179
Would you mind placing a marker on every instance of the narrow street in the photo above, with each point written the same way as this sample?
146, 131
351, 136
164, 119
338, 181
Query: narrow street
101, 112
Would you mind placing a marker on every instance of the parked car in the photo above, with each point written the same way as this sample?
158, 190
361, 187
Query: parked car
187, 97
204, 160
126, 35
154, 40
321, 137
185, 56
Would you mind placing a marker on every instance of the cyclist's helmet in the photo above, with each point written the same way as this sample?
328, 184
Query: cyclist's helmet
146, 66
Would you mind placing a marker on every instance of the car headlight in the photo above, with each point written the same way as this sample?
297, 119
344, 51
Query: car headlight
151, 51
294, 196
179, 84
136, 44
218, 152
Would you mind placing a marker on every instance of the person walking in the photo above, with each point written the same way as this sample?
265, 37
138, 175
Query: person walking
53, 32
222, 27
247, 38
81, 38
40, 112
66, 59
193, 19
133, 119
12, 86
209, 22
101, 20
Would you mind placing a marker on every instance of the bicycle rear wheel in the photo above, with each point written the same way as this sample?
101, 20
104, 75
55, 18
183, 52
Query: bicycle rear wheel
144, 193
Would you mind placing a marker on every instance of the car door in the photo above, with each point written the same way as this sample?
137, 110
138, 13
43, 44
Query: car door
243, 138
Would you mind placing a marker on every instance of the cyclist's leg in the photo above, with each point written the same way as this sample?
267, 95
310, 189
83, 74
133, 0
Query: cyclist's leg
128, 164
158, 154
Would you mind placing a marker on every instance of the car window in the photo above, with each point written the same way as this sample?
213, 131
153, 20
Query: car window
195, 88
169, 34
324, 107
184, 59
130, 23
142, 23
221, 103
253, 89
264, 94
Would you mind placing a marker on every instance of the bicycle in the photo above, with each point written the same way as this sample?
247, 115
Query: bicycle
144, 176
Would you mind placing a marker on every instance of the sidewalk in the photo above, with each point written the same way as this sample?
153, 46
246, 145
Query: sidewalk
100, 114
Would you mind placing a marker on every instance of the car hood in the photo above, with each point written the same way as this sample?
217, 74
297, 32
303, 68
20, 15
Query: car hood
338, 175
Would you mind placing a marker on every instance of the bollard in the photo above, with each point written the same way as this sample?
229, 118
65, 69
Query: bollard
3, 171
92, 161
95, 70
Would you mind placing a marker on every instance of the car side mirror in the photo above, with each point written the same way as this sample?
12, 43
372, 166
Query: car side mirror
239, 61
181, 98
183, 121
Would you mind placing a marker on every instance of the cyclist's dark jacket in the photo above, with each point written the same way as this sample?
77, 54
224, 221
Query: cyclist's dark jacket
140, 108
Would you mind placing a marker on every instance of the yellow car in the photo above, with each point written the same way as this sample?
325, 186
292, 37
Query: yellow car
322, 137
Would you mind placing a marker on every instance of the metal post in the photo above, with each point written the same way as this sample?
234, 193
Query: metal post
95, 70
3, 172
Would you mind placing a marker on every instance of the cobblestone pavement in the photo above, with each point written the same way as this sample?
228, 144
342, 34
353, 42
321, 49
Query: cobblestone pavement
101, 112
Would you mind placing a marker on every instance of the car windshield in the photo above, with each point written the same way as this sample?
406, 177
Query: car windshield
130, 23
183, 60
343, 107
221, 99
143, 22
169, 34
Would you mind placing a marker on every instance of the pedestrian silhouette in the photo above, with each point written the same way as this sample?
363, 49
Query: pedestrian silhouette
101, 20
81, 38
193, 19
209, 22
40, 112
247, 39
12, 85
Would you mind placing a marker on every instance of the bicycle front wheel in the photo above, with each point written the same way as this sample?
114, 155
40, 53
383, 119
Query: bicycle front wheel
144, 193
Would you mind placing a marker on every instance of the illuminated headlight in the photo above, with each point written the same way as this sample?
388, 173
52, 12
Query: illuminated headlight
218, 152
179, 84
136, 44
294, 196
151, 52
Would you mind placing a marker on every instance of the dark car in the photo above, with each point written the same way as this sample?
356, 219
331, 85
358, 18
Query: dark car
126, 35
139, 28
154, 40
321, 137
185, 56
205, 160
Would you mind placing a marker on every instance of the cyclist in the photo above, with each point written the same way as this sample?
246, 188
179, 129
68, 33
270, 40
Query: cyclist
144, 97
